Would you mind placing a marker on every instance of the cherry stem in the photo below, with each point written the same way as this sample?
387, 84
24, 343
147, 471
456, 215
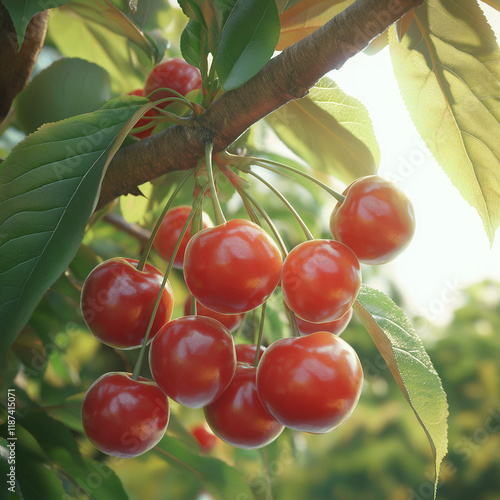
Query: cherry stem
142, 352
244, 194
298, 218
147, 249
219, 215
293, 322
178, 96
265, 163
261, 334
193, 306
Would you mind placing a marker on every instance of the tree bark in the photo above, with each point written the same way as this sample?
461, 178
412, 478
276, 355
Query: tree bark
285, 77
16, 65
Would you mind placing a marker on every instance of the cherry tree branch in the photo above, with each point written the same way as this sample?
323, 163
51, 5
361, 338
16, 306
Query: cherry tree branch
16, 65
285, 77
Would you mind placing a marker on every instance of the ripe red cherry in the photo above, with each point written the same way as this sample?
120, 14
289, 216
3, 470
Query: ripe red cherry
193, 360
238, 416
232, 268
336, 327
170, 230
376, 220
142, 122
320, 280
230, 321
124, 417
245, 353
205, 438
310, 383
175, 74
117, 301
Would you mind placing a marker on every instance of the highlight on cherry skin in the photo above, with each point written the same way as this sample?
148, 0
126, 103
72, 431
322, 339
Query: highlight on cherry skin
245, 266
117, 301
320, 280
193, 360
124, 417
169, 231
376, 220
310, 383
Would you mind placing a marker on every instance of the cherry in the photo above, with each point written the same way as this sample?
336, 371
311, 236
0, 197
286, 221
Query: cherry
245, 353
230, 321
175, 74
376, 220
193, 360
117, 301
320, 280
336, 327
170, 230
232, 268
124, 417
142, 122
238, 416
310, 383
205, 438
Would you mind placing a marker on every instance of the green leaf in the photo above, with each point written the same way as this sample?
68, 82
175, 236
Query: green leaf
329, 130
98, 31
36, 478
222, 480
410, 365
247, 41
209, 14
191, 43
448, 72
67, 88
22, 11
48, 189
96, 479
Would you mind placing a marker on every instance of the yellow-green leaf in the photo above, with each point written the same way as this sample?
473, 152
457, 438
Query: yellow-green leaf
448, 69
329, 130
304, 17
410, 366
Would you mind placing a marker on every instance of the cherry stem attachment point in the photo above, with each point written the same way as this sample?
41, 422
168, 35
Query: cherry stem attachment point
147, 249
261, 334
219, 215
142, 352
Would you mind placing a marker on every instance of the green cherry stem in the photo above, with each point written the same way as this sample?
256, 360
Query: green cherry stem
262, 163
292, 320
219, 215
142, 352
270, 223
261, 334
147, 249
268, 165
298, 218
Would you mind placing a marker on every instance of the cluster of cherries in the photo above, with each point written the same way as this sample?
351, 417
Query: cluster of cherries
308, 382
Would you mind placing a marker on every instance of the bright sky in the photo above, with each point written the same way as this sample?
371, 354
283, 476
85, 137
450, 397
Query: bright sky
450, 249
